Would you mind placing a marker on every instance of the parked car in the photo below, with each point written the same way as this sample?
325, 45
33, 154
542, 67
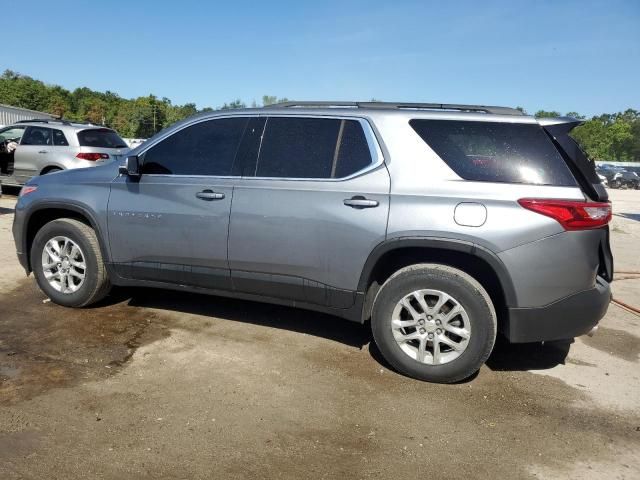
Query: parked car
620, 178
441, 224
603, 179
633, 168
626, 179
39, 147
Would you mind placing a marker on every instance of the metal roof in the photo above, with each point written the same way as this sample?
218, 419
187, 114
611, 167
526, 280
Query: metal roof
10, 115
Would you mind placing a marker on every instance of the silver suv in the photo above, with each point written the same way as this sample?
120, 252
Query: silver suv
37, 147
441, 225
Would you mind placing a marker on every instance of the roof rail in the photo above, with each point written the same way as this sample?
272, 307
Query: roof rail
403, 105
55, 120
45, 120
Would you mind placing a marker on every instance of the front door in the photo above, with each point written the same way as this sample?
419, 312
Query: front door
308, 211
9, 141
171, 225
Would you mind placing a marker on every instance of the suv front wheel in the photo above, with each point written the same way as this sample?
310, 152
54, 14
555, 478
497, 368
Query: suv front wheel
67, 263
434, 322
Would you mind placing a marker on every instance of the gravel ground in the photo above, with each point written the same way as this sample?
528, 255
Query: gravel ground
157, 384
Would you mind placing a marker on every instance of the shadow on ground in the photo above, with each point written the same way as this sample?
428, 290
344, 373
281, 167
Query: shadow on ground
630, 216
505, 356
263, 314
43, 345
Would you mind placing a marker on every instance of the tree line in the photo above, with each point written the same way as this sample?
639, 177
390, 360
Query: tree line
139, 117
610, 136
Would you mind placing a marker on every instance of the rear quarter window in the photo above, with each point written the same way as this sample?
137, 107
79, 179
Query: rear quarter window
59, 139
496, 151
100, 138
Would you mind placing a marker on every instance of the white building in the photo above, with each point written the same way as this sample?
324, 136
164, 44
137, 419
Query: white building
9, 114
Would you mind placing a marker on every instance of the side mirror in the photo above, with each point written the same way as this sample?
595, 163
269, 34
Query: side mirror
131, 167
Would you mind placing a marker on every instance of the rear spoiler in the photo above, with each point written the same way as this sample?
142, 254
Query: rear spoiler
583, 169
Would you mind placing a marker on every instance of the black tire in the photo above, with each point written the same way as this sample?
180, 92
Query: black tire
51, 170
456, 283
96, 283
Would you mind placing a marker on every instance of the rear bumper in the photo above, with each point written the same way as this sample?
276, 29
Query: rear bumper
567, 318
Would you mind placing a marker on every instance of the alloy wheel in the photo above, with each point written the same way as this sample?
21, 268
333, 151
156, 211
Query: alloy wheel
63, 264
431, 326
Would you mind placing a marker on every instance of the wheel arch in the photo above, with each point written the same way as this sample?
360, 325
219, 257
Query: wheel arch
45, 213
51, 166
477, 261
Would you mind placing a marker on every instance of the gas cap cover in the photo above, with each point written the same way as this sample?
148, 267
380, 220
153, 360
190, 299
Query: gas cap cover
470, 214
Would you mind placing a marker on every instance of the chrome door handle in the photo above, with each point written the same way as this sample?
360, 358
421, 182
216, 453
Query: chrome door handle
359, 201
43, 151
209, 195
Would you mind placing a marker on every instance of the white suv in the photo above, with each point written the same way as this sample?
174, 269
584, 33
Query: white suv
36, 147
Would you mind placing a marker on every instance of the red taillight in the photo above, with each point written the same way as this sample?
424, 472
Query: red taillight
92, 156
571, 214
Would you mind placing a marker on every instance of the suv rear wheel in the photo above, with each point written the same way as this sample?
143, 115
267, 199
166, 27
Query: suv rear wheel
67, 263
434, 323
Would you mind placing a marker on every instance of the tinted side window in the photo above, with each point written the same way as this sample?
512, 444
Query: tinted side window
206, 148
496, 151
37, 136
312, 148
353, 151
59, 139
298, 147
245, 162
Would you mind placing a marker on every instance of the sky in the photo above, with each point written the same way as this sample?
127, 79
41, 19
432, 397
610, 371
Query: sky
567, 55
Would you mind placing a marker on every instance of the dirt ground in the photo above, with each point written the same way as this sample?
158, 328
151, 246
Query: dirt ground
157, 384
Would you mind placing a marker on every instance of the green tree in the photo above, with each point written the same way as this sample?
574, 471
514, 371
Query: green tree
620, 139
272, 100
546, 114
233, 105
175, 113
269, 100
635, 142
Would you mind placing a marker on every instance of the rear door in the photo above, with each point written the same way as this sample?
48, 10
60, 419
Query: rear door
32, 153
171, 225
312, 203
584, 170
